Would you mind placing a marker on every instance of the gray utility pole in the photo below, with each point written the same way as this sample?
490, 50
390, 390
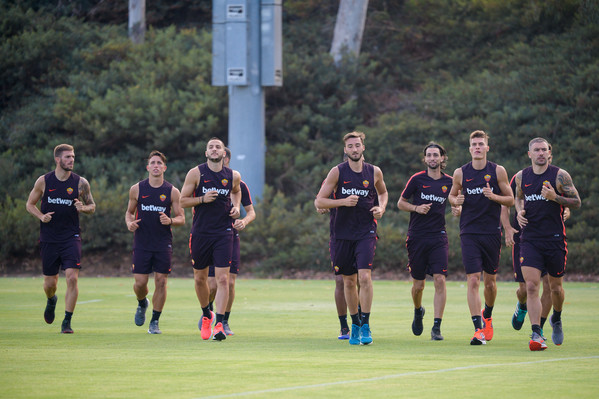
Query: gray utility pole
137, 21
247, 55
349, 28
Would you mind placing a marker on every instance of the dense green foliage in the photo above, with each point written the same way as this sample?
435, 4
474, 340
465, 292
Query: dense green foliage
428, 70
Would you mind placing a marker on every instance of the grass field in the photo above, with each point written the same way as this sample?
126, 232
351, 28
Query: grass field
285, 346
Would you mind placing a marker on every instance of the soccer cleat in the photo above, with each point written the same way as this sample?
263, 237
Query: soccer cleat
365, 336
154, 329
140, 314
417, 326
479, 338
49, 312
219, 332
558, 333
354, 338
537, 343
66, 327
205, 326
436, 335
487, 327
226, 328
518, 317
344, 333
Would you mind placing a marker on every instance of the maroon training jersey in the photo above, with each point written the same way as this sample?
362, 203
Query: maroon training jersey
357, 222
152, 235
426, 190
213, 217
480, 215
545, 218
59, 197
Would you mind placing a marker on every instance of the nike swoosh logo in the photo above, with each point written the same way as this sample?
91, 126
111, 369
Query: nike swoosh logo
345, 182
207, 181
526, 185
52, 189
425, 186
144, 196
469, 179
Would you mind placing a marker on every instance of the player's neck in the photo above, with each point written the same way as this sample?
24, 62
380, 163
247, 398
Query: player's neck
356, 166
539, 169
214, 166
434, 173
62, 174
156, 181
479, 164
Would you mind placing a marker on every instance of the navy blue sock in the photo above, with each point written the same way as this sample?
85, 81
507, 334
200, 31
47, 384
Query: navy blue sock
477, 321
343, 321
155, 315
68, 315
355, 319
227, 314
537, 328
488, 312
206, 312
437, 324
557, 316
543, 320
219, 318
365, 318
143, 303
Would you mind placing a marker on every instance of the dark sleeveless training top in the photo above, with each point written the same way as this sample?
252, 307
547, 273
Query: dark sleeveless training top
355, 223
480, 215
213, 218
426, 190
59, 197
545, 218
152, 235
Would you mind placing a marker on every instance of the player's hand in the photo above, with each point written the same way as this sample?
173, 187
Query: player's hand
423, 208
239, 225
46, 217
134, 225
377, 212
322, 211
456, 210
352, 200
522, 221
234, 212
164, 219
509, 236
78, 205
548, 192
566, 214
210, 196
459, 199
488, 192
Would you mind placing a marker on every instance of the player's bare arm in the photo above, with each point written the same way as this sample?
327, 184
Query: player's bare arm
250, 216
383, 195
192, 180
507, 226
34, 196
132, 223
456, 198
569, 194
519, 201
235, 195
323, 201
85, 203
176, 209
505, 197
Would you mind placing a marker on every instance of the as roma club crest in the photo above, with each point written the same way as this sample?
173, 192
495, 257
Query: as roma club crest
70, 190
162, 197
487, 178
224, 182
366, 183
444, 189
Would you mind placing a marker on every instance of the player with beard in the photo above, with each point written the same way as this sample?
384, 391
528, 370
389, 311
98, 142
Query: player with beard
356, 185
64, 195
428, 248
213, 191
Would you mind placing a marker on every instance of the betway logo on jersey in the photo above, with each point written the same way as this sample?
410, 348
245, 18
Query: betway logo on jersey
223, 191
60, 201
477, 190
535, 197
152, 208
354, 191
432, 197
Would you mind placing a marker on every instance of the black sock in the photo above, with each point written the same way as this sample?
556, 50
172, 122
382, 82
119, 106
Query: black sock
219, 318
155, 315
557, 316
53, 300
543, 320
477, 321
365, 319
355, 319
68, 315
537, 329
227, 314
343, 322
437, 324
360, 311
419, 311
206, 312
211, 305
488, 312
143, 303
522, 306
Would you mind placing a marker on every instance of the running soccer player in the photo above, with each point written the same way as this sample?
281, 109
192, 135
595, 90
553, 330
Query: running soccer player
64, 195
481, 187
149, 217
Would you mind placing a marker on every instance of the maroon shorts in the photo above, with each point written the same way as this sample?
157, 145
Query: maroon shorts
427, 255
480, 252
209, 250
60, 255
547, 256
146, 262
353, 255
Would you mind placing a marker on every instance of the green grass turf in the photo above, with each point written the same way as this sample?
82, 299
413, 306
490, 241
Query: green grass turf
285, 346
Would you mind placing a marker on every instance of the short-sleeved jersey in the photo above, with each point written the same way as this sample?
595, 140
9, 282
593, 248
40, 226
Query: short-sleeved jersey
213, 217
545, 218
152, 235
423, 189
480, 215
357, 222
59, 197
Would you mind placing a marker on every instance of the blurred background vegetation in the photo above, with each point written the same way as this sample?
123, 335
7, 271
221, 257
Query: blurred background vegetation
428, 70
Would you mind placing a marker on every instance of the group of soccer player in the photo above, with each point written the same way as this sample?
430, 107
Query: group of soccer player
212, 189
479, 193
